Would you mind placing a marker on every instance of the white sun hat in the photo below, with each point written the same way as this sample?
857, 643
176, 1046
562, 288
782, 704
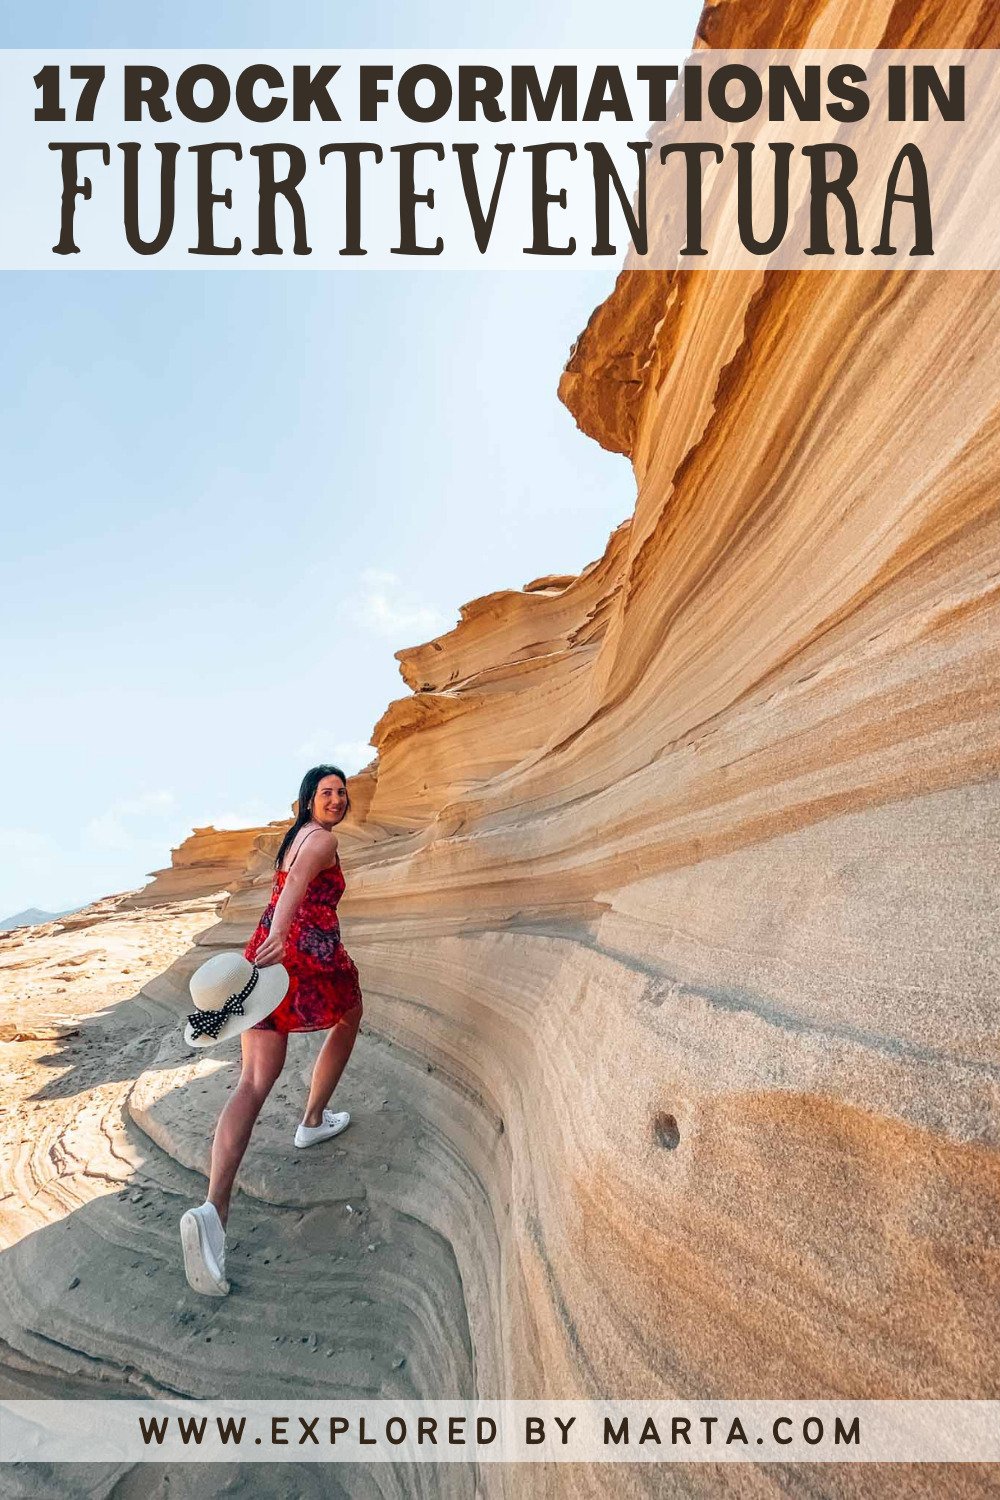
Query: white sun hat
231, 995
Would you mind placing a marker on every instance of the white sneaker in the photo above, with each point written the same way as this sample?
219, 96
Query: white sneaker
333, 1124
203, 1240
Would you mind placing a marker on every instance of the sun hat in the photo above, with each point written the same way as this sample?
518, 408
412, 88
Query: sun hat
231, 995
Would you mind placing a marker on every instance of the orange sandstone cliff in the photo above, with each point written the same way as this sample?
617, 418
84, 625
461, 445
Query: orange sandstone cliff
673, 888
210, 860
683, 871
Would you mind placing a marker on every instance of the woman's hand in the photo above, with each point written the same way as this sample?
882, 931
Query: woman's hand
271, 950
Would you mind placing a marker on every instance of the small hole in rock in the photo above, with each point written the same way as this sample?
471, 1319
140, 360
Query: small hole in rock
665, 1131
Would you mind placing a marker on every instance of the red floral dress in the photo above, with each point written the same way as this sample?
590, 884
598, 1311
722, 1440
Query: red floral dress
323, 980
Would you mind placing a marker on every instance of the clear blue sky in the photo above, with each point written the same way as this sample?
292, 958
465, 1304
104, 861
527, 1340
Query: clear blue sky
233, 496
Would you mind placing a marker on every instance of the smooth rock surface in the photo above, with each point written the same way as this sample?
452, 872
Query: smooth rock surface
674, 897
211, 860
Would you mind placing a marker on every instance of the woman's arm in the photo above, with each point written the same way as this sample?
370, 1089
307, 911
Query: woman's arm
317, 852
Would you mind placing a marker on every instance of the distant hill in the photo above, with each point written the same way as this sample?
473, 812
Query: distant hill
32, 917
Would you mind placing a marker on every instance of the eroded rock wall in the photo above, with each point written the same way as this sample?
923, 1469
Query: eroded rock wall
683, 873
209, 860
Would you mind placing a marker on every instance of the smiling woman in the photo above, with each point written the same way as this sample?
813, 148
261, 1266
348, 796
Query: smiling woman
299, 928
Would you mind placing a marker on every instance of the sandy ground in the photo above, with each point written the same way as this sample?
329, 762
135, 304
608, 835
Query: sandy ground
105, 1126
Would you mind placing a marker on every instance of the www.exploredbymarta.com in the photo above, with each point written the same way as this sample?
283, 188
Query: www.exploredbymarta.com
282, 1430
482, 1431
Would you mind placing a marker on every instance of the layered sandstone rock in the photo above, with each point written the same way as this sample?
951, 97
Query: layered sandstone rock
673, 890
209, 860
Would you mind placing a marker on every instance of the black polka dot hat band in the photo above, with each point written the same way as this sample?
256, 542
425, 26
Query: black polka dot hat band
231, 994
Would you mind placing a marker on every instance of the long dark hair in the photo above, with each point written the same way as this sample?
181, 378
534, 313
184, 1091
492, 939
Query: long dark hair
307, 792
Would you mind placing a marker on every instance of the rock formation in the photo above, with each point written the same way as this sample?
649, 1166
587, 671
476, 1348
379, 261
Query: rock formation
673, 889
209, 860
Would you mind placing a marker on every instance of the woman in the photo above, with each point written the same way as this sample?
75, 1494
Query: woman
299, 928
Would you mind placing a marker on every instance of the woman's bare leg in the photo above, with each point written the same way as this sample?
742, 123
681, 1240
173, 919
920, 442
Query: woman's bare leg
263, 1060
330, 1064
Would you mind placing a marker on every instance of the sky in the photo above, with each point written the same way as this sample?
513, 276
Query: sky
230, 498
